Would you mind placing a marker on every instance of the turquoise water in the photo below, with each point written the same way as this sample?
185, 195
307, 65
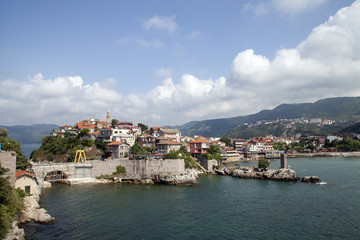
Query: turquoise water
219, 207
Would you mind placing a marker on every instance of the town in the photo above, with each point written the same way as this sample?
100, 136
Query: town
121, 137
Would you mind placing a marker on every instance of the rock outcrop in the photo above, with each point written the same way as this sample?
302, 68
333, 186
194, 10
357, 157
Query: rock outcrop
189, 178
15, 233
286, 175
33, 211
311, 179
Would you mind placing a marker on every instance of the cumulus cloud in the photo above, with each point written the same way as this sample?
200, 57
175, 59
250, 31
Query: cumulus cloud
325, 64
161, 23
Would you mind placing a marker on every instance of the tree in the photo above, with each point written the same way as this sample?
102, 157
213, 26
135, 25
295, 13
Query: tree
8, 144
227, 141
214, 149
263, 163
137, 149
84, 132
143, 127
11, 201
114, 122
3, 132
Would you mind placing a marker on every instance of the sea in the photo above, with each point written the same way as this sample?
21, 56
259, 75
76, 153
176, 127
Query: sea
218, 207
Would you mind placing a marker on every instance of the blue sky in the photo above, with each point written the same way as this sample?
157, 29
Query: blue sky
170, 62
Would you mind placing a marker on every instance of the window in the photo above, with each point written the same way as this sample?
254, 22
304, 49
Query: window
27, 189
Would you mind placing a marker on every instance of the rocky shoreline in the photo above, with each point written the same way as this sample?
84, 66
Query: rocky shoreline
282, 174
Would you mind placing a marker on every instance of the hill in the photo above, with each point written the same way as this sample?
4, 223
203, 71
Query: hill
29, 134
355, 128
338, 109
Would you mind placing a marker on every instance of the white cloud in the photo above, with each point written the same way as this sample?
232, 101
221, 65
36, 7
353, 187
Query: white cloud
163, 72
154, 43
285, 7
161, 23
296, 6
325, 64
193, 35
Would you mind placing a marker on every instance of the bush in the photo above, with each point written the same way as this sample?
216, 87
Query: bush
263, 163
11, 202
119, 169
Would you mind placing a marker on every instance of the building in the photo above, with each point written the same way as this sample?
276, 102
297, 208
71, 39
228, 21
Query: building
147, 140
198, 147
83, 125
119, 149
27, 182
167, 146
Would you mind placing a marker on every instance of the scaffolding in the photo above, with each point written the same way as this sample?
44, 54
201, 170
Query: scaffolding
80, 156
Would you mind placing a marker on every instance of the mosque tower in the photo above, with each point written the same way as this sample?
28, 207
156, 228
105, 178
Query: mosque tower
108, 116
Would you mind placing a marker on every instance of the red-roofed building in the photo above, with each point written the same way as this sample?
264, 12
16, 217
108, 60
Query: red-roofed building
83, 125
198, 147
27, 182
147, 140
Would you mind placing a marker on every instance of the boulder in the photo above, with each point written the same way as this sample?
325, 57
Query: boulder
311, 179
245, 172
189, 178
286, 175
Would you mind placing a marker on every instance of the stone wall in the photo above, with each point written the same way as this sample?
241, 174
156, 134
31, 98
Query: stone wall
8, 160
140, 169
41, 169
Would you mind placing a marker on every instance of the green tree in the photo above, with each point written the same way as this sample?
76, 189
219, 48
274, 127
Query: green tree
84, 132
263, 163
172, 155
3, 132
137, 149
214, 149
227, 141
143, 127
11, 202
8, 144
114, 122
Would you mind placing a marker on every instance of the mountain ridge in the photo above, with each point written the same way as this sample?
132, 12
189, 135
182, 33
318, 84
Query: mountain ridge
337, 108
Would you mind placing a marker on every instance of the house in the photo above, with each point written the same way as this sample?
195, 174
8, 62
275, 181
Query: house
198, 147
27, 182
154, 131
147, 140
83, 125
172, 134
119, 149
238, 144
219, 143
102, 124
167, 146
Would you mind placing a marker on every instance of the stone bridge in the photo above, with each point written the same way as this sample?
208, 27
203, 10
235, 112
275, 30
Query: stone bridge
135, 169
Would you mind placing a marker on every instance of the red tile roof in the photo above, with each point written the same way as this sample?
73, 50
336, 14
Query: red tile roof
85, 125
115, 143
21, 172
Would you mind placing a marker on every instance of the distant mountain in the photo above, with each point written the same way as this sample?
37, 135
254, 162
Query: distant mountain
339, 109
29, 134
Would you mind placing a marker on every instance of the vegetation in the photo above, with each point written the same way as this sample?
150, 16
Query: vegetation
62, 149
120, 170
214, 153
227, 141
8, 144
114, 122
312, 144
263, 163
137, 149
339, 109
11, 202
143, 127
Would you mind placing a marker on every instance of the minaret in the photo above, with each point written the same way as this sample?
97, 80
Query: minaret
108, 116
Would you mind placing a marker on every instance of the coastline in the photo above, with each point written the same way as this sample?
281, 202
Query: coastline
304, 155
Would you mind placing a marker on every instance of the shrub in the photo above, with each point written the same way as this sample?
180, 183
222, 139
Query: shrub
119, 169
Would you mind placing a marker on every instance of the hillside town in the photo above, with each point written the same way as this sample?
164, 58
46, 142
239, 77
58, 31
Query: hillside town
121, 136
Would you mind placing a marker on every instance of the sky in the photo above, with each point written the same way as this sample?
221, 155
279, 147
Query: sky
165, 62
